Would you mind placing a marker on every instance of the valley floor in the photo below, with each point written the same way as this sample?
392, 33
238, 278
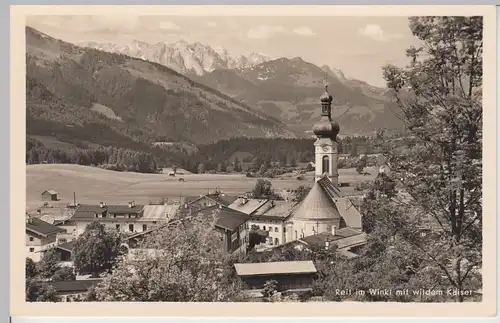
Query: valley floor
93, 185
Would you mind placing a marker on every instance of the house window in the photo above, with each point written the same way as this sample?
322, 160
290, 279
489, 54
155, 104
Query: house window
32, 239
131, 227
326, 164
276, 241
144, 227
62, 241
276, 229
32, 249
117, 227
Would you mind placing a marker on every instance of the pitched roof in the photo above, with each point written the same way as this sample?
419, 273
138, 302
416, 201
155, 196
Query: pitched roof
51, 192
80, 286
87, 212
68, 246
249, 207
159, 212
42, 228
270, 268
275, 209
343, 238
225, 200
349, 213
317, 205
226, 217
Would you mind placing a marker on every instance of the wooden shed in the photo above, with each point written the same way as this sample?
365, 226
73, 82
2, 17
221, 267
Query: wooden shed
49, 195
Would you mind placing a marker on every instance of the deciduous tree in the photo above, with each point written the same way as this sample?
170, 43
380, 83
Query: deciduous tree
96, 249
182, 262
440, 99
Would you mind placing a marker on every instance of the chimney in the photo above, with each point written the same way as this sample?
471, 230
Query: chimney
327, 245
101, 204
220, 206
129, 204
334, 230
133, 203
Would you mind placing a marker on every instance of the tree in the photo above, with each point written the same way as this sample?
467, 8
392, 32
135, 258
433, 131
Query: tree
37, 291
96, 249
201, 168
270, 288
354, 149
301, 192
439, 97
263, 188
31, 270
63, 274
187, 265
361, 164
49, 264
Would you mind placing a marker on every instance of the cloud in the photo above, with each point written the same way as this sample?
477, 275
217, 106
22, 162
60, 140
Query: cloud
263, 32
376, 32
212, 24
168, 25
304, 31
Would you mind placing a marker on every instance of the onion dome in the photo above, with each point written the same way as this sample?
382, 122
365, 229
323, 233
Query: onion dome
326, 97
326, 128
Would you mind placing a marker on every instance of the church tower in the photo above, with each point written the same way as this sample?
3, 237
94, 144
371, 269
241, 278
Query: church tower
326, 146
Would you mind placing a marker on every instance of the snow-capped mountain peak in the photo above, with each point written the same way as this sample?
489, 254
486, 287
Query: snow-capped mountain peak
184, 57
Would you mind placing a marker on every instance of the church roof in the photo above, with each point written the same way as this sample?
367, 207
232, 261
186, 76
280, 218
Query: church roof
317, 205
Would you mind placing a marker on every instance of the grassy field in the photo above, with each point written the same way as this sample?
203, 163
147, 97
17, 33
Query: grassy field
93, 185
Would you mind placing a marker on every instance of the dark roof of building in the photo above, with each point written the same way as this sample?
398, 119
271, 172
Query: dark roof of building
225, 200
85, 211
42, 228
77, 286
68, 246
51, 192
226, 217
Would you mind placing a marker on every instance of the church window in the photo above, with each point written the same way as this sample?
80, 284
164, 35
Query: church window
296, 235
264, 228
276, 241
276, 229
326, 164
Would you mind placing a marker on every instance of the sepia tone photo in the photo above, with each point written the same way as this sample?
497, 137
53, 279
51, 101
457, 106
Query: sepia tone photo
275, 159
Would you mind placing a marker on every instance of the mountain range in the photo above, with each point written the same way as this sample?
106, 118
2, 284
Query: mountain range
193, 58
89, 96
285, 88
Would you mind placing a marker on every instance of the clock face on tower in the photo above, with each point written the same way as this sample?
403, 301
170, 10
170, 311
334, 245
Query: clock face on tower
325, 148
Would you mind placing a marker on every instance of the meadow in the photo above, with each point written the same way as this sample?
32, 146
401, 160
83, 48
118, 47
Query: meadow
93, 185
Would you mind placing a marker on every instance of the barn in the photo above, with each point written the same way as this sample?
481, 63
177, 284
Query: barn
49, 195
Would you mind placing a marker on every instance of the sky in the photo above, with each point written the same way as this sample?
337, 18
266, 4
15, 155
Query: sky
358, 46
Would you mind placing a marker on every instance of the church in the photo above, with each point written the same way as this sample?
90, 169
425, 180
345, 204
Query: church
325, 208
326, 214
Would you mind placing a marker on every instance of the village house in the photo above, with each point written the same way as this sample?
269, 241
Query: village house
291, 276
231, 226
346, 241
267, 215
49, 195
73, 290
40, 236
131, 218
